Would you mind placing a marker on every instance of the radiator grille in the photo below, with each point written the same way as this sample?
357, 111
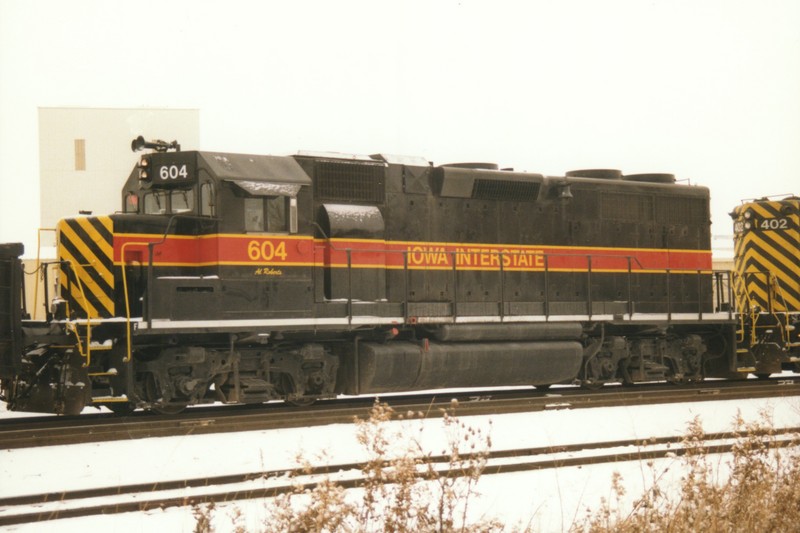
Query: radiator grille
626, 207
519, 191
677, 211
356, 182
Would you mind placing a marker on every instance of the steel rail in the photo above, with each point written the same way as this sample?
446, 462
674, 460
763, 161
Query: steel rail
147, 496
48, 431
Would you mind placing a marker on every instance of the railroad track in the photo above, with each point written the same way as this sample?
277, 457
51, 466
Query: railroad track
265, 484
47, 431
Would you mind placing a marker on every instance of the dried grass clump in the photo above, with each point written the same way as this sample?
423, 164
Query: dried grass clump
754, 488
403, 490
757, 489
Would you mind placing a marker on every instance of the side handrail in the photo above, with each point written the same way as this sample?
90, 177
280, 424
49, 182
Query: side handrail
72, 325
38, 264
150, 248
633, 265
743, 302
127, 298
775, 284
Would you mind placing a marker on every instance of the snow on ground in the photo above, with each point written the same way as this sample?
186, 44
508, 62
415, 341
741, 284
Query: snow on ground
548, 500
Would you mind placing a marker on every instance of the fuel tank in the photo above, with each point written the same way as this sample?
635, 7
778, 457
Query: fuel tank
404, 366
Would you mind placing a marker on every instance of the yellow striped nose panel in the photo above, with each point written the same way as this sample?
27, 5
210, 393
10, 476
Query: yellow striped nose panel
767, 244
85, 246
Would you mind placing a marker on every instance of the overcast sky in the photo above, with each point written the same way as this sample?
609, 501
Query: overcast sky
707, 90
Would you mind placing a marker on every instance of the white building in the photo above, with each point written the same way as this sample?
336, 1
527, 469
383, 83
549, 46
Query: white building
84, 159
85, 154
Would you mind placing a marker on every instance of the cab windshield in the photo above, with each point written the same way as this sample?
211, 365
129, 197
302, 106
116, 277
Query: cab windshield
169, 202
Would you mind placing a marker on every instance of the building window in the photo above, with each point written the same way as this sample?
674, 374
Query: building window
80, 154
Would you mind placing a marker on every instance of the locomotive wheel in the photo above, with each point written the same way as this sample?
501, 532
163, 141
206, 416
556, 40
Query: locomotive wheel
301, 402
120, 408
73, 406
159, 407
597, 371
167, 408
290, 389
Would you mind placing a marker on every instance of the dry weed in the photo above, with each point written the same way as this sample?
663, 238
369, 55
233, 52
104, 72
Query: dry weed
757, 489
404, 489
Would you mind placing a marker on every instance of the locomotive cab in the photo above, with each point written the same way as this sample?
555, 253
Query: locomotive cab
248, 194
219, 227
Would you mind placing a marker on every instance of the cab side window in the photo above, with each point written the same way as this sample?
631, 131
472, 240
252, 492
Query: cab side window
131, 202
254, 214
267, 214
207, 203
276, 214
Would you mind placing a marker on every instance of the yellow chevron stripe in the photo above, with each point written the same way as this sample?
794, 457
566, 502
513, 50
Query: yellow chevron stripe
107, 223
782, 300
88, 284
785, 255
761, 209
89, 228
779, 253
95, 262
786, 282
773, 259
85, 281
760, 293
761, 206
787, 247
787, 302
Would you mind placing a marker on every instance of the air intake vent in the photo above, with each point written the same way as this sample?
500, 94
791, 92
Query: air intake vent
679, 211
626, 207
518, 191
349, 182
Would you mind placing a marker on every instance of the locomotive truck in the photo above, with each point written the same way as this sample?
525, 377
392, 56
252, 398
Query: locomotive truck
248, 278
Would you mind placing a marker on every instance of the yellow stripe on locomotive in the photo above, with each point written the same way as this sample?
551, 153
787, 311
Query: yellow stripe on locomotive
86, 252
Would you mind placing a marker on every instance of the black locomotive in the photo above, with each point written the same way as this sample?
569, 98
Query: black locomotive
245, 278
